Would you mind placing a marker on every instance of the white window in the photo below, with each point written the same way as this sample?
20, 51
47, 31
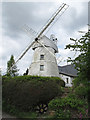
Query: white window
41, 67
41, 57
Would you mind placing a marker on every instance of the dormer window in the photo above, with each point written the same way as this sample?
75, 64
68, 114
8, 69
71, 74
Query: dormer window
41, 57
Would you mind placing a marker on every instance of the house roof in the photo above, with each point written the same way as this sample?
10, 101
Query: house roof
68, 70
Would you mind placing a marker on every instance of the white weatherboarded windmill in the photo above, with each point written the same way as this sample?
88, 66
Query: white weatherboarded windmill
44, 61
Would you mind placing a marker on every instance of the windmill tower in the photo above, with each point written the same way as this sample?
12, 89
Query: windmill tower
44, 63
44, 60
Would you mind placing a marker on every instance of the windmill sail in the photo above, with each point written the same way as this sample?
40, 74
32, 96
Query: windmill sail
25, 52
53, 17
60, 9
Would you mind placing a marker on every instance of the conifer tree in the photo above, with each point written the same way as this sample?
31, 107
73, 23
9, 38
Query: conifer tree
11, 67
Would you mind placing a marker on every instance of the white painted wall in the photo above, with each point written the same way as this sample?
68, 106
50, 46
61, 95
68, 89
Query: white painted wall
65, 77
49, 62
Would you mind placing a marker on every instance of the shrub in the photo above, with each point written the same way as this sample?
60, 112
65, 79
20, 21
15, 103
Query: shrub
63, 114
81, 91
25, 92
68, 102
64, 107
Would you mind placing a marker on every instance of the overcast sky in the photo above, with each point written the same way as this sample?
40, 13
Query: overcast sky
35, 14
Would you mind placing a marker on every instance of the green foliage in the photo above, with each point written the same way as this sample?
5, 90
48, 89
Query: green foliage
11, 67
12, 110
81, 91
34, 79
25, 92
63, 114
64, 107
71, 102
82, 60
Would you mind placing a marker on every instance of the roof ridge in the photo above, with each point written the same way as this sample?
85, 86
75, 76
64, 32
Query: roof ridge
66, 65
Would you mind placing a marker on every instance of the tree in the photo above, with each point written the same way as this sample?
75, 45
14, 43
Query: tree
82, 61
11, 67
26, 73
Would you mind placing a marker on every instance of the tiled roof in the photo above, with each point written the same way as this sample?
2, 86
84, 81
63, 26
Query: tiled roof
68, 70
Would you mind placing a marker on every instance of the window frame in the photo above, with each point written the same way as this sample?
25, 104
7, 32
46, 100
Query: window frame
41, 67
41, 57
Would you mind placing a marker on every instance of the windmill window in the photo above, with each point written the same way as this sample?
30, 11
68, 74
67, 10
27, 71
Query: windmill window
67, 80
41, 57
41, 67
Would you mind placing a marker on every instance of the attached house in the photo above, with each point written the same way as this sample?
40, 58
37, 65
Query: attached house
67, 73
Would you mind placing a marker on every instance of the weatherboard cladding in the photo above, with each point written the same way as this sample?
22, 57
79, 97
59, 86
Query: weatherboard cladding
68, 70
46, 42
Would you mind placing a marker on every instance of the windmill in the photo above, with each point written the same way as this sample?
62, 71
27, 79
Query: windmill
44, 60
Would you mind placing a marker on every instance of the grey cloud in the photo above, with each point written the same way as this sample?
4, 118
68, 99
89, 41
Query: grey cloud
89, 12
82, 19
15, 15
73, 21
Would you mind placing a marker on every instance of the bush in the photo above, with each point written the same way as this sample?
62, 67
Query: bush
81, 91
64, 107
68, 102
63, 114
25, 92
59, 106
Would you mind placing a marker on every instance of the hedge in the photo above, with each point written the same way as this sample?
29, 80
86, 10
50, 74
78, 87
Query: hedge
25, 92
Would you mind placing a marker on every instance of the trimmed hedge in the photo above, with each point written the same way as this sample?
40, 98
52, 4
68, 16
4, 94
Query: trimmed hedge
25, 92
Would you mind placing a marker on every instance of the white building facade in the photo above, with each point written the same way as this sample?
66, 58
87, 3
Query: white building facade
67, 73
67, 79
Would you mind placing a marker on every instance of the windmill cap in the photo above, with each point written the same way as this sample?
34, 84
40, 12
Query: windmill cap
52, 37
